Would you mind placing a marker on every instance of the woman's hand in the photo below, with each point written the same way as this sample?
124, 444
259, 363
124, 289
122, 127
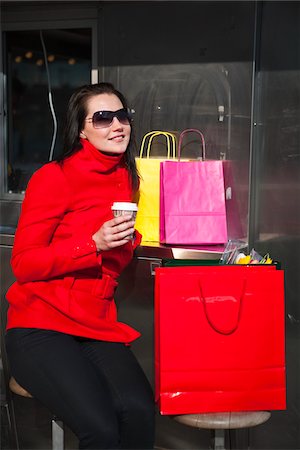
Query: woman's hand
114, 233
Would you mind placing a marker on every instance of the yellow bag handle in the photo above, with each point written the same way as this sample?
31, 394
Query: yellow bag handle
169, 138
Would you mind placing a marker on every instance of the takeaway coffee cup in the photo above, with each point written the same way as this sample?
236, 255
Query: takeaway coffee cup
125, 209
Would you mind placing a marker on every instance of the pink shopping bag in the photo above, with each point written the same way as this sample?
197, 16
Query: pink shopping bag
192, 200
236, 203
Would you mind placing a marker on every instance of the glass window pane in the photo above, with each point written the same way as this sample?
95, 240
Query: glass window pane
42, 70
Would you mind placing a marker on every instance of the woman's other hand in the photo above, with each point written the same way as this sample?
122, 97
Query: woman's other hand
113, 233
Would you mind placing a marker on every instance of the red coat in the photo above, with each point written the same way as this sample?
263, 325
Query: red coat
62, 284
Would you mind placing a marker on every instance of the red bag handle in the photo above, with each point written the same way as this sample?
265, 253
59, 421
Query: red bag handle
212, 321
191, 130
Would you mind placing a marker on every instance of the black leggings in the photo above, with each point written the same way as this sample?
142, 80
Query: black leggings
96, 388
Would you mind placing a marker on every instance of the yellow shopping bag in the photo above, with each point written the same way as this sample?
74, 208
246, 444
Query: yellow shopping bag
147, 220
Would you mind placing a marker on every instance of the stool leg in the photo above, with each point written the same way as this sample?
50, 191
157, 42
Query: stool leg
11, 422
219, 439
57, 434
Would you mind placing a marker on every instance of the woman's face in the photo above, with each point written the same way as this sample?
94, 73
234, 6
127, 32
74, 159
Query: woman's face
113, 139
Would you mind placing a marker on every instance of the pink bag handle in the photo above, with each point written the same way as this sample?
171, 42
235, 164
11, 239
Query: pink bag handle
189, 130
211, 320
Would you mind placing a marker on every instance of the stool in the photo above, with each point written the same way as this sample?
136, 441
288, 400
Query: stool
219, 422
57, 425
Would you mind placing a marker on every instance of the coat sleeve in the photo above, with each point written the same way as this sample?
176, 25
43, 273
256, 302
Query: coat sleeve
36, 256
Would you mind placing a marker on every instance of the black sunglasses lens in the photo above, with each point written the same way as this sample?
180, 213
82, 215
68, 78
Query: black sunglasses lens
123, 116
103, 119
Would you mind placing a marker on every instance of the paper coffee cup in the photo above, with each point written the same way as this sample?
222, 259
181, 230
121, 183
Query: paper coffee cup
125, 209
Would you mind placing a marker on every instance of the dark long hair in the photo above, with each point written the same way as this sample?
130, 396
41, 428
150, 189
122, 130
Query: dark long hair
74, 123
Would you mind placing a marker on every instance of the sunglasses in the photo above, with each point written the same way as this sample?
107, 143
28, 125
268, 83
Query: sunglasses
103, 119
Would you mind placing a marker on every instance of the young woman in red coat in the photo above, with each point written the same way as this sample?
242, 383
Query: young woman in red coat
64, 342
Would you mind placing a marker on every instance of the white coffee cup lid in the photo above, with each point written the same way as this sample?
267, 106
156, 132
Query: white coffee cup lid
127, 206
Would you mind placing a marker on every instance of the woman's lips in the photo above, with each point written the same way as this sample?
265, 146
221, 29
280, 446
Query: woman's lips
118, 138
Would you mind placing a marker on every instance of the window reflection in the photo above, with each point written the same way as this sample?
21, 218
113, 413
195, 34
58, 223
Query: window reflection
30, 122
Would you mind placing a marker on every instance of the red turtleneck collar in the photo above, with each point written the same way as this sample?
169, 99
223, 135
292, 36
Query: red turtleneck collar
101, 162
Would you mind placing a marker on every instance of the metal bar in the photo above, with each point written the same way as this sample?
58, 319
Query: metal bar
57, 434
254, 129
219, 439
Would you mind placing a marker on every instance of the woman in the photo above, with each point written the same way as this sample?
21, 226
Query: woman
64, 343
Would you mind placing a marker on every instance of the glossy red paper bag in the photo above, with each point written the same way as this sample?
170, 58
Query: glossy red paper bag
219, 339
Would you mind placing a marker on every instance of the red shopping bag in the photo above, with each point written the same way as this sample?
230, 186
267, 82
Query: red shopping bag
192, 200
219, 339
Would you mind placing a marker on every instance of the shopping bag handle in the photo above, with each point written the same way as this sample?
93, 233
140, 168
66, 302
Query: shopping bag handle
170, 138
211, 320
191, 130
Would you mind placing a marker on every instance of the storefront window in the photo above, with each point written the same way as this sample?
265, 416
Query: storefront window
42, 68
